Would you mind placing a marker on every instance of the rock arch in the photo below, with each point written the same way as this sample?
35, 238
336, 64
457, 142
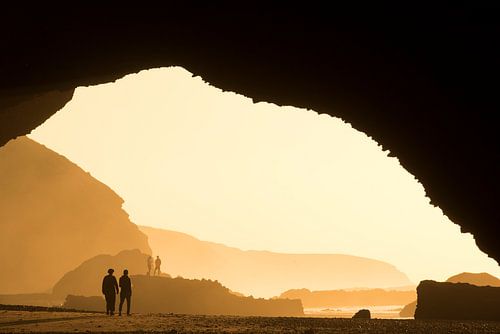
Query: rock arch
421, 82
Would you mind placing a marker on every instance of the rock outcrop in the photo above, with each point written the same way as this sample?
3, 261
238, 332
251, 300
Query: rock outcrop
262, 273
153, 294
457, 301
54, 216
86, 279
477, 279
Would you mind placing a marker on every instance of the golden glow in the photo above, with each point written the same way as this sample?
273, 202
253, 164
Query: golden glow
186, 156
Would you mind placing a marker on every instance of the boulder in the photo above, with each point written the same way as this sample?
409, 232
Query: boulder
362, 314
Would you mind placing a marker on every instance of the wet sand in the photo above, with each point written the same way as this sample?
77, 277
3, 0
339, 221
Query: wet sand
74, 322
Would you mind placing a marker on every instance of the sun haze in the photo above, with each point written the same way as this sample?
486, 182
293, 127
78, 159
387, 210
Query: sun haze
187, 156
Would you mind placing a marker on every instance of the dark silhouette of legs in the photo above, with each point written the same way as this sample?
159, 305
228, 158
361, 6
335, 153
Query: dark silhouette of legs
110, 303
122, 299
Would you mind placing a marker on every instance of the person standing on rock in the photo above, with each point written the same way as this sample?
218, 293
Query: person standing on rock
110, 290
150, 264
157, 265
125, 292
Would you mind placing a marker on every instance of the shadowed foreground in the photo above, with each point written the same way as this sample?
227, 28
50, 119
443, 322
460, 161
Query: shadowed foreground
74, 322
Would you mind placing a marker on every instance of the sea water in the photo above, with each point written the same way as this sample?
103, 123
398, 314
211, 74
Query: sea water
381, 312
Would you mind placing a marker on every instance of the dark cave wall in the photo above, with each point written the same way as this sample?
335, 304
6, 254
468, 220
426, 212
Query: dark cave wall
426, 92
22, 113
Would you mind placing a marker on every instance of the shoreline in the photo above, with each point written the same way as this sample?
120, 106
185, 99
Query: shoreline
22, 321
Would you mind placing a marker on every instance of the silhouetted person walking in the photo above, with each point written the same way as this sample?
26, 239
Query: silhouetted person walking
150, 264
157, 265
110, 290
125, 292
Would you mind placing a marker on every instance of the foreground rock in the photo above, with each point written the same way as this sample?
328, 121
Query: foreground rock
457, 301
183, 296
86, 279
478, 279
54, 216
362, 314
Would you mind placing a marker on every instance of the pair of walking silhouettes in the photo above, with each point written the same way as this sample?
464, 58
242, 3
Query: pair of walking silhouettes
157, 265
110, 290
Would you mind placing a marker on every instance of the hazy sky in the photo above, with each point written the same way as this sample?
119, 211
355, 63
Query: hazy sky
189, 157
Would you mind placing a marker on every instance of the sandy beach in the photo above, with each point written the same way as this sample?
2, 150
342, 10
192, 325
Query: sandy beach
12, 321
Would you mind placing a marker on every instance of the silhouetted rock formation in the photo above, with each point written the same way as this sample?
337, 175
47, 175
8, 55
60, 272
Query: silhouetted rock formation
457, 301
177, 295
53, 216
408, 311
392, 83
262, 273
93, 303
362, 314
332, 298
86, 278
479, 279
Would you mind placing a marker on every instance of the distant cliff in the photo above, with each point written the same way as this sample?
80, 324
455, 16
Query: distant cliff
479, 279
54, 216
335, 298
262, 273
457, 301
178, 295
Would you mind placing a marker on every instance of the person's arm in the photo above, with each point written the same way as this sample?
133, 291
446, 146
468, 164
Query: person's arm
103, 283
116, 285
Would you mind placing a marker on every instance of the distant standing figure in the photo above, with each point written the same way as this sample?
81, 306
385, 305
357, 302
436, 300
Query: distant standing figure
110, 290
150, 264
125, 292
157, 265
